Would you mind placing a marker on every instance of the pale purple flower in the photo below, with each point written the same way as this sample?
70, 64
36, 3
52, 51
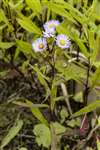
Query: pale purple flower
48, 34
50, 28
63, 41
39, 45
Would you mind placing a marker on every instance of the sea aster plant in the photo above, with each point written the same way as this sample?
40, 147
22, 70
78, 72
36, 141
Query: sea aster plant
39, 45
63, 41
50, 28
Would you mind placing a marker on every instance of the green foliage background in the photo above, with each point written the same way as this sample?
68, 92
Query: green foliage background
49, 91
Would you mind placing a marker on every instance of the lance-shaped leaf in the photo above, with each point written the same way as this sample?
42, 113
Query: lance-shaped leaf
35, 5
87, 109
37, 113
28, 25
95, 78
24, 47
61, 11
12, 133
6, 45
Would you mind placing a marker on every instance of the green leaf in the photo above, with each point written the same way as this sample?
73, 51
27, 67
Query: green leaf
54, 138
23, 148
59, 1
4, 73
92, 9
74, 122
5, 20
95, 77
12, 133
3, 17
91, 39
28, 25
81, 45
35, 5
37, 113
24, 47
85, 2
99, 120
89, 148
17, 52
59, 129
98, 144
23, 104
53, 94
61, 11
43, 80
87, 109
19, 5
79, 19
43, 135
63, 114
68, 7
78, 97
96, 64
61, 29
6, 45
72, 71
96, 49
73, 11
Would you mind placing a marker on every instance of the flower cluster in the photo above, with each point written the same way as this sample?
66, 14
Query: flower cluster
62, 41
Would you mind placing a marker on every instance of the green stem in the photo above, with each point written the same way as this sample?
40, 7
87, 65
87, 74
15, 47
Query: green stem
65, 93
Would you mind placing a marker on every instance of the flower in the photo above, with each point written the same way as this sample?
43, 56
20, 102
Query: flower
63, 41
39, 45
50, 28
48, 34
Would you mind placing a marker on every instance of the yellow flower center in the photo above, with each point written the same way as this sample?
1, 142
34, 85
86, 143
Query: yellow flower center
41, 46
62, 42
51, 25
